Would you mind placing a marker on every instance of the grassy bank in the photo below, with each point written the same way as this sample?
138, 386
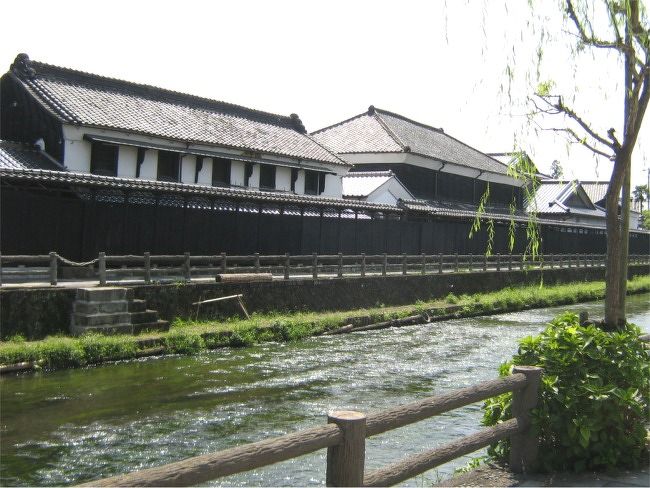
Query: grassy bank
190, 337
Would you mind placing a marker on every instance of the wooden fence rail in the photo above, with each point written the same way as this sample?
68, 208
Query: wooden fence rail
345, 435
147, 267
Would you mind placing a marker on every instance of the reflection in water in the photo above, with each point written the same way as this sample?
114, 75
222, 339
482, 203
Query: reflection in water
66, 427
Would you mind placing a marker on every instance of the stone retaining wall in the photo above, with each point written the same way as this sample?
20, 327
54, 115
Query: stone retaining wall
38, 312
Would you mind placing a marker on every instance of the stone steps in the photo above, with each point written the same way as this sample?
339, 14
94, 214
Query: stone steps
112, 310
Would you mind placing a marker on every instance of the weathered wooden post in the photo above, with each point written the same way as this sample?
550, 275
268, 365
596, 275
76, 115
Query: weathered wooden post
147, 267
346, 462
53, 269
314, 266
223, 262
384, 265
404, 264
257, 262
187, 267
363, 264
485, 260
102, 269
441, 259
523, 445
551, 261
287, 264
498, 261
424, 263
456, 263
340, 267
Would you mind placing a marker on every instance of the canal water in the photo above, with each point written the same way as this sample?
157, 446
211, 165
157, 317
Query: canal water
66, 427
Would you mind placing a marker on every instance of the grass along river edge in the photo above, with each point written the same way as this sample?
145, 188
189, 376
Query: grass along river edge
191, 337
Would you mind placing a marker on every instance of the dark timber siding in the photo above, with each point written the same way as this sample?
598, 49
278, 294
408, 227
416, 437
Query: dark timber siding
79, 225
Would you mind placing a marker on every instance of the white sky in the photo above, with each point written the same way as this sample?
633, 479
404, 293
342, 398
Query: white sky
439, 62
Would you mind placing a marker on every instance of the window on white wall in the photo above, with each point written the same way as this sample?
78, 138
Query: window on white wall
220, 172
314, 182
267, 176
168, 166
103, 159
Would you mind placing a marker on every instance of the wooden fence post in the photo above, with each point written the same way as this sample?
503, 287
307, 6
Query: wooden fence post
456, 263
287, 264
363, 264
384, 265
314, 266
523, 445
53, 269
147, 267
485, 259
257, 262
424, 263
498, 261
102, 269
521, 262
471, 262
339, 272
404, 264
187, 267
223, 262
551, 261
441, 258
346, 462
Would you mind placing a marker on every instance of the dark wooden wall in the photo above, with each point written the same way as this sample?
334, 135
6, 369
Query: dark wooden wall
36, 222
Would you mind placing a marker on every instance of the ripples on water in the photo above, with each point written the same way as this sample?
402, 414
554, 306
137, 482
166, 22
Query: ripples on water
66, 427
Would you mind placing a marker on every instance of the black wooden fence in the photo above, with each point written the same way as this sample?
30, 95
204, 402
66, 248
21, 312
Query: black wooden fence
35, 222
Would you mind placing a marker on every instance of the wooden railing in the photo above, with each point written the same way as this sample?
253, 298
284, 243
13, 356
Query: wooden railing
148, 268
345, 438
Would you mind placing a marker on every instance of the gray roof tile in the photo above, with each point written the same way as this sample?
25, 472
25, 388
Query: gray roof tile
15, 155
86, 99
379, 131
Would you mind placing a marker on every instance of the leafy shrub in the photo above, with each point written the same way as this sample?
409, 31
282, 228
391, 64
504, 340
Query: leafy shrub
451, 299
594, 396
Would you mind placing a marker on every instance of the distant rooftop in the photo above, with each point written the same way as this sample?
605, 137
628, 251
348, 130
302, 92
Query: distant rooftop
381, 131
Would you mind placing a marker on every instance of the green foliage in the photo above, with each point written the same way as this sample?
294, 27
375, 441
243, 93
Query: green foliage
182, 343
544, 88
594, 396
451, 298
471, 465
645, 219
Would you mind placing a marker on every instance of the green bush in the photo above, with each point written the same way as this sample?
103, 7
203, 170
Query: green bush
594, 397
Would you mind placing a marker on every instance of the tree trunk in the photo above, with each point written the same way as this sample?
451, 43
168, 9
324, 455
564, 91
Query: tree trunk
614, 285
625, 235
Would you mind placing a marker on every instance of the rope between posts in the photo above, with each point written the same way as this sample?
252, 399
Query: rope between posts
74, 263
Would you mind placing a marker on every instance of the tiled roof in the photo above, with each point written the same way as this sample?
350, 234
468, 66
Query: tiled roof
14, 155
551, 197
469, 211
449, 209
380, 131
87, 179
363, 183
596, 190
86, 99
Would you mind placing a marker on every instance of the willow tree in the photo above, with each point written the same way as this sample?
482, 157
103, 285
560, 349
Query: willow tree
619, 28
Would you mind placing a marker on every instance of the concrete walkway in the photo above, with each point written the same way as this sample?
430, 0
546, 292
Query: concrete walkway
493, 475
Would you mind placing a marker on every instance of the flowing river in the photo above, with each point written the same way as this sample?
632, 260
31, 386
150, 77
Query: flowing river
66, 427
